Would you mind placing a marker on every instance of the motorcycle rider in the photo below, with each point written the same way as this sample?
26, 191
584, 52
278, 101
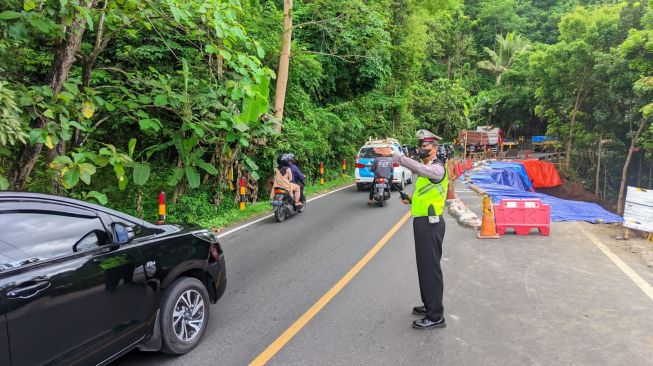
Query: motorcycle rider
283, 178
382, 168
297, 176
443, 154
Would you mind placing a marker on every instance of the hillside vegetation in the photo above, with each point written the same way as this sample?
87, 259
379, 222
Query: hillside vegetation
116, 100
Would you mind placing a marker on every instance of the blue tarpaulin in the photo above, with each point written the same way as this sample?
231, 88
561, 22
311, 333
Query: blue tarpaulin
503, 181
517, 168
541, 138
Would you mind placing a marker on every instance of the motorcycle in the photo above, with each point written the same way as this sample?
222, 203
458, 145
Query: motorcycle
381, 191
284, 205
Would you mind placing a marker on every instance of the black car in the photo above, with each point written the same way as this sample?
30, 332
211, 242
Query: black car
84, 284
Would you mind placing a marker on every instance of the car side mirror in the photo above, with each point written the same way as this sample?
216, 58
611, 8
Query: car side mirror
124, 234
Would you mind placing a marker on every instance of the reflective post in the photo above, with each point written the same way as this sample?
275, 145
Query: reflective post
243, 194
162, 208
321, 172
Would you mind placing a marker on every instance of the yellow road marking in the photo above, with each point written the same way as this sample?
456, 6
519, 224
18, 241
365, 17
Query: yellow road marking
636, 278
286, 336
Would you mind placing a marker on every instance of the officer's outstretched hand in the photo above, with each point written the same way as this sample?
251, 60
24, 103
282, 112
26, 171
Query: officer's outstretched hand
383, 151
406, 201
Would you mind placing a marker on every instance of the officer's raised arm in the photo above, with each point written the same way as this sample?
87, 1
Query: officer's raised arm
431, 171
428, 147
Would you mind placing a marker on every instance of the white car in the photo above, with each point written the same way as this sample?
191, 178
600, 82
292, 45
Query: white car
365, 158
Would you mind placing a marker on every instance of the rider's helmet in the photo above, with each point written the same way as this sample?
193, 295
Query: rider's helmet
284, 159
292, 158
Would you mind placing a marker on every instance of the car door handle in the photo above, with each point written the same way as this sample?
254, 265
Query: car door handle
28, 289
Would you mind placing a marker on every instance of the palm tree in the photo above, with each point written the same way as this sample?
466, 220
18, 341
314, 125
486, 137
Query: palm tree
509, 47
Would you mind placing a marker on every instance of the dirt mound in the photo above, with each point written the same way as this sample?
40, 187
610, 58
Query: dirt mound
570, 190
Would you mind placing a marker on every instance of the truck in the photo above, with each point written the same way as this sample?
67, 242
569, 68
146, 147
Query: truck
493, 134
544, 143
483, 136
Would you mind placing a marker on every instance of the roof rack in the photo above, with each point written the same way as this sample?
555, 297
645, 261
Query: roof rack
387, 140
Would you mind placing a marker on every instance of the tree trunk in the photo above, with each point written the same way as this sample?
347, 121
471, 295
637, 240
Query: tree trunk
598, 166
51, 154
571, 128
605, 180
89, 62
179, 188
640, 157
624, 172
284, 62
64, 57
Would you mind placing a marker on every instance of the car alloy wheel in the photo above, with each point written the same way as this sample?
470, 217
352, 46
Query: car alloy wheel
188, 316
185, 315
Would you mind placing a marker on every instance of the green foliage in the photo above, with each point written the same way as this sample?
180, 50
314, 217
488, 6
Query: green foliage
497, 17
510, 46
11, 125
175, 95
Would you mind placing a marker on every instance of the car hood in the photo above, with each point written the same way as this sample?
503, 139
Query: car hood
178, 228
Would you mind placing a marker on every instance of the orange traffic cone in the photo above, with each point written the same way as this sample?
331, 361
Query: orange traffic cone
488, 227
451, 195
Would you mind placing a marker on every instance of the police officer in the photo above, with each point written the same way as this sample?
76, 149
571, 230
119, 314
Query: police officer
428, 226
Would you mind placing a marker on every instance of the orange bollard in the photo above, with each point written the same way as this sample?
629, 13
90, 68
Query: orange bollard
488, 227
321, 172
344, 167
162, 209
451, 195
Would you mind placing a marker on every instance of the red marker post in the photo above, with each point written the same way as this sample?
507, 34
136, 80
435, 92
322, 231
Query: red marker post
162, 208
243, 194
344, 167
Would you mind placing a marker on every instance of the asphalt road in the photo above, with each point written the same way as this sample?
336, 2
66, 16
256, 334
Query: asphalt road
532, 300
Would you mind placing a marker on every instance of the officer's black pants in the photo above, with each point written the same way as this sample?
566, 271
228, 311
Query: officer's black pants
428, 250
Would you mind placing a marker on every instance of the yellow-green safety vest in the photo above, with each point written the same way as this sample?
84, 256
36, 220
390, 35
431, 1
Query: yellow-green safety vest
427, 194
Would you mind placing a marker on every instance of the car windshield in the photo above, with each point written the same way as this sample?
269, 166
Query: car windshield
368, 153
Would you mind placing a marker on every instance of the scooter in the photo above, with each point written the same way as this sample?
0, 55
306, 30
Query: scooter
381, 191
284, 205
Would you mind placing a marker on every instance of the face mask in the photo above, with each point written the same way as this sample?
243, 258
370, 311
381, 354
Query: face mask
423, 153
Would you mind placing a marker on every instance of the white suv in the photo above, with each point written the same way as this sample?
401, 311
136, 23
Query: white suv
365, 158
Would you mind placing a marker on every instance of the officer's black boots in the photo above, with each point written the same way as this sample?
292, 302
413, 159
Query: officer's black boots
427, 323
420, 310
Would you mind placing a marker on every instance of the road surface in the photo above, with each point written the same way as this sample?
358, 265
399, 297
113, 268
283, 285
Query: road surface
534, 300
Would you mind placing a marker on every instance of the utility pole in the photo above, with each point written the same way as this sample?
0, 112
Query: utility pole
284, 61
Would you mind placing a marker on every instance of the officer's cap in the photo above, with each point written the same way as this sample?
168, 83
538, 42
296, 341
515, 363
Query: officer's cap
427, 136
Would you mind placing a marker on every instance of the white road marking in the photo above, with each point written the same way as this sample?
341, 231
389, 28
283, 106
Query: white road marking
328, 193
636, 278
268, 216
